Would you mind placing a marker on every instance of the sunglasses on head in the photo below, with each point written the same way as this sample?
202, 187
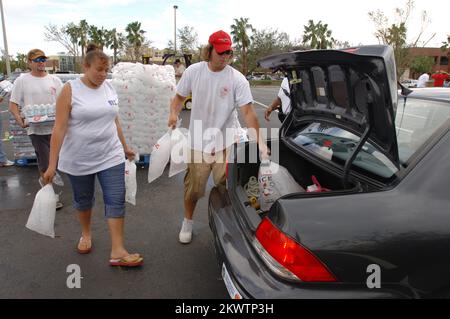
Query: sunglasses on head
40, 59
228, 52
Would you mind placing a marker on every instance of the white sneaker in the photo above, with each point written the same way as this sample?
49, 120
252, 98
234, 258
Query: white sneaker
7, 163
186, 231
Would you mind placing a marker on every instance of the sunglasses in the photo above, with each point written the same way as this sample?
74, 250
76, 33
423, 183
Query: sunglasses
229, 52
40, 59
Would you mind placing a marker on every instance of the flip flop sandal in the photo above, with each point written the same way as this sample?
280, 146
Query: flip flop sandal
84, 251
126, 261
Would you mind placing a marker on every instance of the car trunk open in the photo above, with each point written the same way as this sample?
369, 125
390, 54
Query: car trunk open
354, 91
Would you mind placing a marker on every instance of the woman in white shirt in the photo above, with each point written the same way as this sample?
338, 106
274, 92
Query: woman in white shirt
88, 139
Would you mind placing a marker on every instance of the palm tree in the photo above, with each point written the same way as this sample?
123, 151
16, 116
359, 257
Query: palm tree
83, 27
242, 40
135, 37
317, 36
73, 31
98, 36
22, 61
115, 41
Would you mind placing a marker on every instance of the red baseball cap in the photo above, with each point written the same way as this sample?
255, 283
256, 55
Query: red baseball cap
221, 41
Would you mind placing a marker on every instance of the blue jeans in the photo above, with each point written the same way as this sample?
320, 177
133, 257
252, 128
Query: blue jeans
112, 181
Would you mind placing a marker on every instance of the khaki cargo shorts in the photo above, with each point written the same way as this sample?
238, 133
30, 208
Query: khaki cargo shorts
200, 166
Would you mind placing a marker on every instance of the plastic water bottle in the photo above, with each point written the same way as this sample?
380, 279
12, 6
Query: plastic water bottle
41, 109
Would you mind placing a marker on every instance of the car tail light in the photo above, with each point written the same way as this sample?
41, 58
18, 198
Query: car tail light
287, 258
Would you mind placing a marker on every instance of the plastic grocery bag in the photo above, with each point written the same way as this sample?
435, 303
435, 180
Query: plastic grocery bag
42, 216
178, 154
130, 182
274, 181
160, 156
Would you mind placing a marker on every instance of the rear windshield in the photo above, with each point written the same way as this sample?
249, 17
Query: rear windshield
337, 145
416, 121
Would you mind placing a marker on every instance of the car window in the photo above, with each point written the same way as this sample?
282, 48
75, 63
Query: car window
337, 145
416, 121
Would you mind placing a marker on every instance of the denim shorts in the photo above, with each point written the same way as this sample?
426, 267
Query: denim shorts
112, 181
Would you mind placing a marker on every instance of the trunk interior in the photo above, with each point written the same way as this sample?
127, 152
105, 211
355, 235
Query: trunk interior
300, 168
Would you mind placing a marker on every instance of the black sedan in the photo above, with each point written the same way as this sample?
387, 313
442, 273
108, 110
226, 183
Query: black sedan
380, 227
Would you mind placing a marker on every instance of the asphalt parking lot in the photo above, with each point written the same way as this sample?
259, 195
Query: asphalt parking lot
35, 266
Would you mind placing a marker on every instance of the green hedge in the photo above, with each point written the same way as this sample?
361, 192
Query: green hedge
265, 82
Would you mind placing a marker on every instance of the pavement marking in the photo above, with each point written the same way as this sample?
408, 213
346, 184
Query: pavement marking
261, 104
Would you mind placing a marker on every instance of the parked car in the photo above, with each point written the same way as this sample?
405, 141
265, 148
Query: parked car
382, 230
410, 83
14, 75
64, 77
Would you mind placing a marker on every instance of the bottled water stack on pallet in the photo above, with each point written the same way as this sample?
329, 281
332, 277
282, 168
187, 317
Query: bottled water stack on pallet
144, 94
23, 149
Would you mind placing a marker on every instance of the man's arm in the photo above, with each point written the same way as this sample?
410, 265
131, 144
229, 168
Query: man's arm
14, 109
251, 120
175, 109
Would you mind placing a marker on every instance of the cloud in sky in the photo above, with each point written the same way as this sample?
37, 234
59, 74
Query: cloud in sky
348, 19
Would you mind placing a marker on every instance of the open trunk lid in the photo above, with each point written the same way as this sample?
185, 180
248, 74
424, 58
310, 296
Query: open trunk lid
355, 89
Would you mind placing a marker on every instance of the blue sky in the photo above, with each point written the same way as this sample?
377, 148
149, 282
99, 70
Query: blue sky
348, 19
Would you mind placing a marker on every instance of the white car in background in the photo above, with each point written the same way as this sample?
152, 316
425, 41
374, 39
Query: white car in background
410, 83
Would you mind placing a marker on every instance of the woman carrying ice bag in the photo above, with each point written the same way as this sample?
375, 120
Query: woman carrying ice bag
88, 139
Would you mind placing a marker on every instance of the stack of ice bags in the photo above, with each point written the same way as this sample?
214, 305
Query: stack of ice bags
144, 94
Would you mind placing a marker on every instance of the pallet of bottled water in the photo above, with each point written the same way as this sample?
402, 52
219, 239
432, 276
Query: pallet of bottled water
5, 88
24, 153
39, 113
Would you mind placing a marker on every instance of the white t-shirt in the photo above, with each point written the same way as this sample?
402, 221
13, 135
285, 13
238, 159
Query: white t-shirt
91, 143
423, 79
215, 96
32, 90
283, 94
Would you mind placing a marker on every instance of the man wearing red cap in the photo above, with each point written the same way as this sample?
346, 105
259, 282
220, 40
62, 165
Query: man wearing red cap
217, 91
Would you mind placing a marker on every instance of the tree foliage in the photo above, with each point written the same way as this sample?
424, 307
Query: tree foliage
395, 34
266, 42
135, 37
64, 35
242, 40
99, 36
422, 64
188, 39
446, 45
317, 35
115, 41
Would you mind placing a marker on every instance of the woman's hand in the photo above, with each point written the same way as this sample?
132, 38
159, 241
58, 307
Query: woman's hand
48, 176
129, 153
